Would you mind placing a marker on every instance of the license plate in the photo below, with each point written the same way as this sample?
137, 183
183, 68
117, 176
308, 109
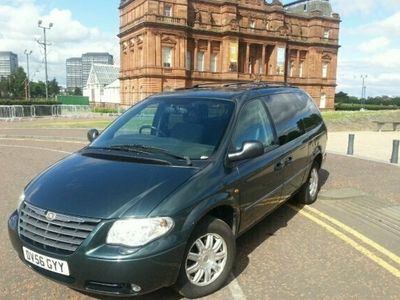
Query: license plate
45, 262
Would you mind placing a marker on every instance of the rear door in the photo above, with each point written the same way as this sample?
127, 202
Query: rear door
287, 111
260, 179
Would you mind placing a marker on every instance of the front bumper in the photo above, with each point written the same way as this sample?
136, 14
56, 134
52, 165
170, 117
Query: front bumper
107, 275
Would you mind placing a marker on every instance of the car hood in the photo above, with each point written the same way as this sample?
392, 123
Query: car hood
86, 186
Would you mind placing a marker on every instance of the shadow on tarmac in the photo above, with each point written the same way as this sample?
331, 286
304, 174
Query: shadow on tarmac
245, 244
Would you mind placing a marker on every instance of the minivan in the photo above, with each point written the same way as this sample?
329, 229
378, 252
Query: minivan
160, 196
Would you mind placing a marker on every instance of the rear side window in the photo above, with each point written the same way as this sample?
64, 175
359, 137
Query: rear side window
287, 111
312, 116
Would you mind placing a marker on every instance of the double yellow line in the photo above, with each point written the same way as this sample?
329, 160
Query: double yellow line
312, 213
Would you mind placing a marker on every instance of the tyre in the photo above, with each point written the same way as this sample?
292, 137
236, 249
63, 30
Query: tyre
208, 259
309, 191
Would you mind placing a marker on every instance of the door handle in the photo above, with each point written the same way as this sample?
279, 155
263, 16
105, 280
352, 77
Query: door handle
279, 166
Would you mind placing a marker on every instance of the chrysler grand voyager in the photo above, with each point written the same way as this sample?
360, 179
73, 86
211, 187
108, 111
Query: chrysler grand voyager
159, 197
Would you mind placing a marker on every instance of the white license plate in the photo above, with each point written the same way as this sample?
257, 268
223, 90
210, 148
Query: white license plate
45, 262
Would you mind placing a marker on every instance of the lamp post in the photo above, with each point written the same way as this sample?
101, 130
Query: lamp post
28, 84
45, 44
363, 87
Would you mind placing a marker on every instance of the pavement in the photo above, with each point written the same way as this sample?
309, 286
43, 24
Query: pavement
371, 145
346, 245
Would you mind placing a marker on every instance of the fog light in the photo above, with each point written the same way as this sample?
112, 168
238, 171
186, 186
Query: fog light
135, 288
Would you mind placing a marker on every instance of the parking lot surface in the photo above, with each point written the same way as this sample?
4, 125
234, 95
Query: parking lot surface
346, 245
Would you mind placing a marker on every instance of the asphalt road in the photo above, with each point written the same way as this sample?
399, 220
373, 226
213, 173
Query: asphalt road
346, 245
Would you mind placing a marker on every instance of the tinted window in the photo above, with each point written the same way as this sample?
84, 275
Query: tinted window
312, 117
253, 125
287, 111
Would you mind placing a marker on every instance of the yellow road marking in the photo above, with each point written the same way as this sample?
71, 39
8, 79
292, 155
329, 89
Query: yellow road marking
357, 234
42, 140
351, 242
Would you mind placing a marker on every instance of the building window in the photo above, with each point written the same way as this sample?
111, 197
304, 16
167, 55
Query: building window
291, 69
188, 60
200, 61
322, 101
301, 69
305, 7
325, 70
326, 34
252, 24
168, 10
167, 57
213, 62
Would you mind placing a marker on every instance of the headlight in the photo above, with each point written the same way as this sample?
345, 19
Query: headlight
20, 200
138, 232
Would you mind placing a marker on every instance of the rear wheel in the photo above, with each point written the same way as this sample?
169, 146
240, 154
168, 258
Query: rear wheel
208, 259
309, 191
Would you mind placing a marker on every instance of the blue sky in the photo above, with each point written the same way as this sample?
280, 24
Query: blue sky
370, 37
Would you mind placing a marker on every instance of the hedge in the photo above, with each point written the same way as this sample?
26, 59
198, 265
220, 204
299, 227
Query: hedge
354, 107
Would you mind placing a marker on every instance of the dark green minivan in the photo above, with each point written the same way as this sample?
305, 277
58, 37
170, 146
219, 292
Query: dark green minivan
159, 197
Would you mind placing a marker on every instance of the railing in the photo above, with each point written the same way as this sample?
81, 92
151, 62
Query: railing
10, 112
154, 18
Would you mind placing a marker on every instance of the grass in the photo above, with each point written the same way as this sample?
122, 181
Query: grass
358, 120
341, 115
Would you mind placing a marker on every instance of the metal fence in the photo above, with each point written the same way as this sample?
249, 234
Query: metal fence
10, 112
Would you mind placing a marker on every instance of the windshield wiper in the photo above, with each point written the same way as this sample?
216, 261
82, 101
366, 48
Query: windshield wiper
149, 149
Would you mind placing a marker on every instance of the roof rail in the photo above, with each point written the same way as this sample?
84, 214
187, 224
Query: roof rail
237, 84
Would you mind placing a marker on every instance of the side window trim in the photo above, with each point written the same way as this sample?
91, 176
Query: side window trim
274, 129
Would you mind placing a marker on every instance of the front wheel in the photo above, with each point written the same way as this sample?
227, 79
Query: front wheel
309, 191
208, 259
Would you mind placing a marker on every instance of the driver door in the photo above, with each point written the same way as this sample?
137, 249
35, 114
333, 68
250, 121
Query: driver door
261, 178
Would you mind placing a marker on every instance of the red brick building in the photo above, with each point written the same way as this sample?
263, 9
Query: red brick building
178, 43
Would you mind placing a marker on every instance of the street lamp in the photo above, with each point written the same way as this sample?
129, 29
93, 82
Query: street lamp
28, 84
363, 88
45, 44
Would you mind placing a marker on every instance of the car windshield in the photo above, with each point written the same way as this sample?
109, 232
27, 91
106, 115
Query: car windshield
183, 128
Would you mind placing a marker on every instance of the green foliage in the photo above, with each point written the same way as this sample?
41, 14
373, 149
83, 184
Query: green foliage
31, 102
77, 92
105, 110
13, 86
342, 97
53, 87
359, 106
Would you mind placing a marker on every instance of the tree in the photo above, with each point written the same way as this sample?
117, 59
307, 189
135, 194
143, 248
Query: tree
53, 87
78, 92
38, 89
13, 86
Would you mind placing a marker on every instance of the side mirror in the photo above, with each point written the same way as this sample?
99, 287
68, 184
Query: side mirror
250, 149
92, 134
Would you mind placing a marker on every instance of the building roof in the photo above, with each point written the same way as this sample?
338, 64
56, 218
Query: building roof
305, 7
104, 74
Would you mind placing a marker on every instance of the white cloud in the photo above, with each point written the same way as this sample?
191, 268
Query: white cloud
375, 44
68, 37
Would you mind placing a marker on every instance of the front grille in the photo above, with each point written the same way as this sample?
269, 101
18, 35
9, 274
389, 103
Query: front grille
59, 233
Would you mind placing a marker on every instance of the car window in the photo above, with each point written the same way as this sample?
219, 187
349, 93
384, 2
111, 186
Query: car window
253, 125
143, 123
312, 116
287, 111
185, 127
